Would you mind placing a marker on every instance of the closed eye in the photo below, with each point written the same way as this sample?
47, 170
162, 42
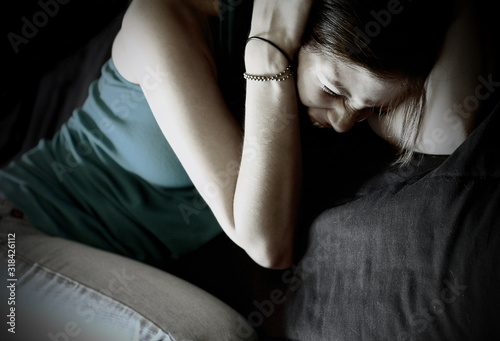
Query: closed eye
330, 92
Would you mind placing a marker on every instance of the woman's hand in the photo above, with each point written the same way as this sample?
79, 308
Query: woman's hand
281, 21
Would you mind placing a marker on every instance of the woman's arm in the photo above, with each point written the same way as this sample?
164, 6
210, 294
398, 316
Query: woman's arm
249, 183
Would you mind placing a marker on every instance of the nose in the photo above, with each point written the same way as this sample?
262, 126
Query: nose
343, 116
341, 121
340, 118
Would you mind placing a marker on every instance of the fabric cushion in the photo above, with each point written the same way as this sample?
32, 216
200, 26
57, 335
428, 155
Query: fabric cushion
414, 256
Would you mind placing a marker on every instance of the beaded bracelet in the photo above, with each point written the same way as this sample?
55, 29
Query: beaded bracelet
282, 76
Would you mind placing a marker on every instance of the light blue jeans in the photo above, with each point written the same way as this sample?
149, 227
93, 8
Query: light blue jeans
55, 289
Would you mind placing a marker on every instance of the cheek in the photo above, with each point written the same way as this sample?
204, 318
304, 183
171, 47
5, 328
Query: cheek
310, 93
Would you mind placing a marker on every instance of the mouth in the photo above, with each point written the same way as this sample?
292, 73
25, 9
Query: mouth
319, 124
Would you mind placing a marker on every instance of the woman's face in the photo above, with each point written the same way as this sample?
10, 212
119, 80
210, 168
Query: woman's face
338, 95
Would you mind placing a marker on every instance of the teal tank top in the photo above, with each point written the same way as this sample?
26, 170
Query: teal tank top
110, 179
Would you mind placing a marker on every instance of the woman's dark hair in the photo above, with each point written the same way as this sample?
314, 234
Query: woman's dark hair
395, 40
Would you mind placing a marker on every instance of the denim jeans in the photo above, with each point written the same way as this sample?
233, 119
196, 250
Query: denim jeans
55, 289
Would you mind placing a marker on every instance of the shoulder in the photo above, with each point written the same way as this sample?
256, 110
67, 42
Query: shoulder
149, 26
449, 116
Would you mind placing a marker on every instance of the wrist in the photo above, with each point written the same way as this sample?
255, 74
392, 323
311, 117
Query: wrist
263, 58
282, 22
288, 45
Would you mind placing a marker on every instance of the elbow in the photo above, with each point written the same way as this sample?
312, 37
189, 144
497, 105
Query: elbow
272, 257
267, 239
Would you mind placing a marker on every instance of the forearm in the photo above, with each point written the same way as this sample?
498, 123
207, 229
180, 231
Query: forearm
252, 190
265, 202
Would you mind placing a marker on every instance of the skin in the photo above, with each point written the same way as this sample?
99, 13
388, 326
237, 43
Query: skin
338, 94
251, 178
353, 93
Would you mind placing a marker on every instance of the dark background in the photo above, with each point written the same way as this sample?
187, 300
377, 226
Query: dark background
70, 26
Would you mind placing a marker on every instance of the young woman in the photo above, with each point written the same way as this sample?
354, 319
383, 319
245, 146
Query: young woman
121, 172
186, 135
